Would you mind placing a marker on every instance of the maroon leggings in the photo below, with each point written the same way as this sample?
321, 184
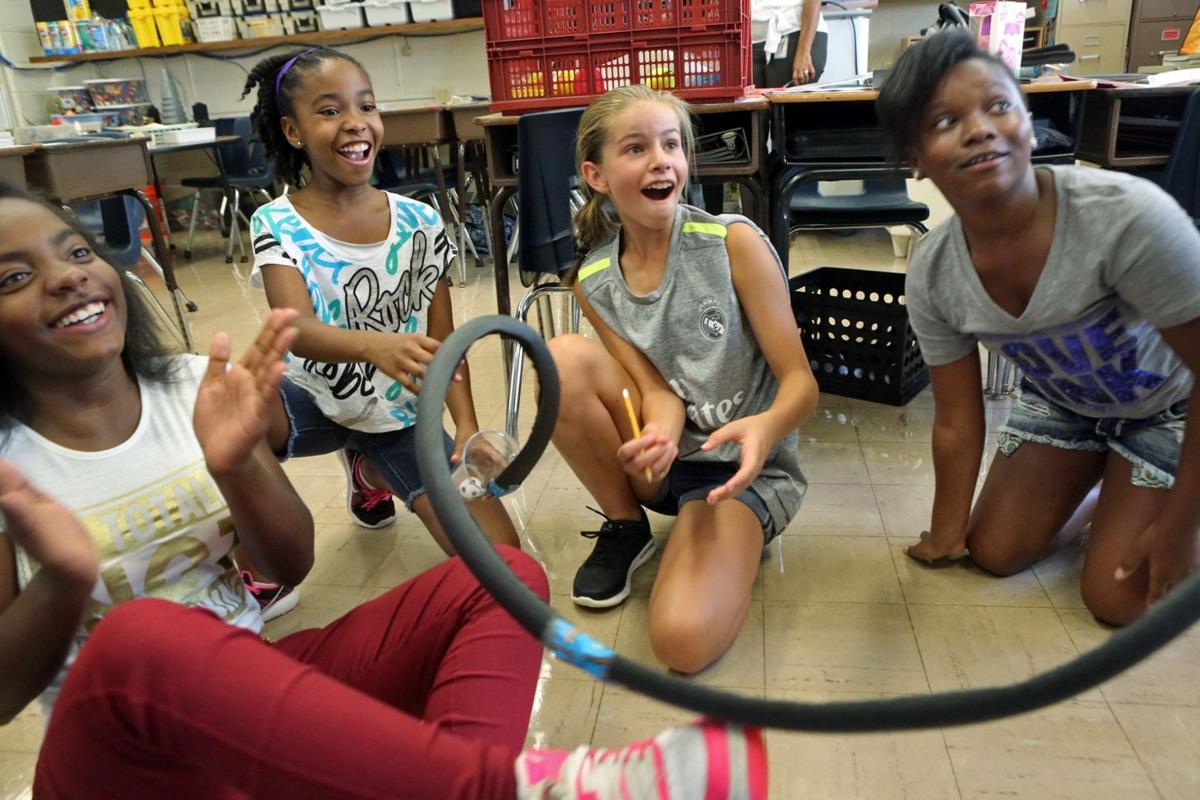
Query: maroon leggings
423, 692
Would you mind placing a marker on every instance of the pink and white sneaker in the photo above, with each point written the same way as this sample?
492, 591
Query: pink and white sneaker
706, 760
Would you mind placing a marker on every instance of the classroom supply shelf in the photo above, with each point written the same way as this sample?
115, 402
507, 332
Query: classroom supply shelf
465, 25
546, 54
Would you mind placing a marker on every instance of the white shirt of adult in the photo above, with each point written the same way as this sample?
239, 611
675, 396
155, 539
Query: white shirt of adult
772, 21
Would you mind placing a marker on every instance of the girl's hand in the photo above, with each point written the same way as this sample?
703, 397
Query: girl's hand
47, 530
403, 357
803, 70
934, 550
232, 405
1169, 556
755, 440
652, 449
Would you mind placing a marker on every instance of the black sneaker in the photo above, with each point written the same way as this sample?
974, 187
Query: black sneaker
621, 547
368, 507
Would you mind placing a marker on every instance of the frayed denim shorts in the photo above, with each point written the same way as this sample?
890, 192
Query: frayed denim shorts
1151, 444
693, 480
393, 454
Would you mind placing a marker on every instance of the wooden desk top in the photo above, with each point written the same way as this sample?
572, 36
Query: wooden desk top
1041, 87
749, 104
17, 150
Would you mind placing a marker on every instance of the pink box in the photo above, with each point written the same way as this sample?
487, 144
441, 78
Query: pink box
1000, 28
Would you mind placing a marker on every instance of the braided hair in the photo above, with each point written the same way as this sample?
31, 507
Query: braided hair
269, 108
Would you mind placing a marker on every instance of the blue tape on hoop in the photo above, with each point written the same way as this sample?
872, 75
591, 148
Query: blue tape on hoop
576, 647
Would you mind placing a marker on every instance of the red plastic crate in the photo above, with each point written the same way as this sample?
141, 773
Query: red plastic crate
707, 65
518, 20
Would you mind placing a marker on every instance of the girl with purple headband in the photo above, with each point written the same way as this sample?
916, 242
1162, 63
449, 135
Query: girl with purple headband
365, 270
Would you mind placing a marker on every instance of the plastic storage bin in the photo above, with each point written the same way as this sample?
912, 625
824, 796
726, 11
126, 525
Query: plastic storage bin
545, 54
709, 66
386, 12
215, 29
856, 333
509, 20
259, 26
244, 8
117, 91
431, 10
200, 9
301, 22
337, 16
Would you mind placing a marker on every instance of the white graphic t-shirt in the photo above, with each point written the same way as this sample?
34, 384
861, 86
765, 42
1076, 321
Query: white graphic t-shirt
159, 524
382, 287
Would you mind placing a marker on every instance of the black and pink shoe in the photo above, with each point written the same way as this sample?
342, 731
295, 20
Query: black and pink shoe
369, 507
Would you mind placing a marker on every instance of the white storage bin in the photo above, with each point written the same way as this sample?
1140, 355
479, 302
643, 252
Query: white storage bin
215, 29
303, 22
386, 12
201, 9
435, 11
340, 16
261, 25
244, 8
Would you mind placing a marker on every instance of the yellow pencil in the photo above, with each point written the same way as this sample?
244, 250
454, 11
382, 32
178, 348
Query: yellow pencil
637, 429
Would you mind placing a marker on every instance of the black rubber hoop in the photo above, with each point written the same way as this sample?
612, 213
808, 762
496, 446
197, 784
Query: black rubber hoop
1126, 647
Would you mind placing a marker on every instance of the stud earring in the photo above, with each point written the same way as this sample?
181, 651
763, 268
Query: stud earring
296, 145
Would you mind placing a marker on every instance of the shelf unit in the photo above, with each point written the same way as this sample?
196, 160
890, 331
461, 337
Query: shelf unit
466, 25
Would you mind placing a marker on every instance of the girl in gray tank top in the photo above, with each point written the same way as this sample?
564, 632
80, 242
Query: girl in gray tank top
694, 321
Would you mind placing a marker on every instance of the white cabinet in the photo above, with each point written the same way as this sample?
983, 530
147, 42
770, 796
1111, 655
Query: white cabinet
1097, 31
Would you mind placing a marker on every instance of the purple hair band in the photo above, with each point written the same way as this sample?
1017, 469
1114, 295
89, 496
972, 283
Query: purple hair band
291, 62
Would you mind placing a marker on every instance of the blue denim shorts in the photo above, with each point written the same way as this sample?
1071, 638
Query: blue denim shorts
393, 454
693, 480
1152, 444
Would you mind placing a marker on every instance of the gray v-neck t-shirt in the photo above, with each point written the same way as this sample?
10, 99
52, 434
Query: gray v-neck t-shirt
1124, 262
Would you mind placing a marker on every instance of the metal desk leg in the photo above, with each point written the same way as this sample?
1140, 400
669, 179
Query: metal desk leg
444, 199
163, 254
162, 204
461, 174
500, 266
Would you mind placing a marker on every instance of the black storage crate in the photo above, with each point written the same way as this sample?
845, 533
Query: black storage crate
857, 335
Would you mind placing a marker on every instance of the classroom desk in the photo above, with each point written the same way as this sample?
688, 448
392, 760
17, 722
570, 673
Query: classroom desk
213, 144
1131, 128
426, 127
500, 136
12, 164
76, 172
827, 154
467, 134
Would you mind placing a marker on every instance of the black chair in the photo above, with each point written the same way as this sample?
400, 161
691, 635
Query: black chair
392, 173
882, 203
118, 222
547, 205
1181, 178
245, 168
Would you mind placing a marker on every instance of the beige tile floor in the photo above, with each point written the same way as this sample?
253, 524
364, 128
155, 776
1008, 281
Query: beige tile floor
838, 613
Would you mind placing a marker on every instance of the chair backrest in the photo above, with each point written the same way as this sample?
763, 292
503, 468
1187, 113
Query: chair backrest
546, 166
1181, 178
118, 220
247, 157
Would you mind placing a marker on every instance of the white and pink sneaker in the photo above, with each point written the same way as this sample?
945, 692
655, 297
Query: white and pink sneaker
706, 760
